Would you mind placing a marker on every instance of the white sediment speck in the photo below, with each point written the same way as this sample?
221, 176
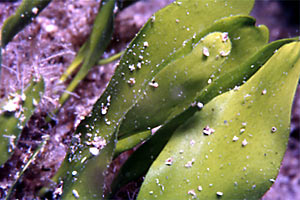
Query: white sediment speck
264, 92
235, 138
131, 81
244, 143
153, 84
224, 36
223, 53
205, 51
199, 188
200, 105
75, 194
220, 193
192, 192
274, 129
139, 65
94, 151
146, 44
208, 131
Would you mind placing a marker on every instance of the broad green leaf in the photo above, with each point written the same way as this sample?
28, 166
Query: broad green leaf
93, 49
174, 93
242, 157
25, 13
153, 49
15, 112
139, 163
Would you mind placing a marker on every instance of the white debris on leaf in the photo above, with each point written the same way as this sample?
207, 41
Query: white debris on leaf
219, 194
274, 129
224, 36
131, 68
190, 163
244, 143
146, 44
200, 105
75, 194
235, 138
104, 110
13, 104
223, 53
199, 188
153, 84
94, 151
209, 81
169, 161
208, 131
205, 51
272, 180
236, 88
131, 81
192, 192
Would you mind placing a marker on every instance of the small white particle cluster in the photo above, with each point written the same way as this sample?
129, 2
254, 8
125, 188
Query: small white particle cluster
14, 104
208, 131
131, 81
104, 110
224, 36
190, 163
153, 84
205, 51
97, 144
192, 192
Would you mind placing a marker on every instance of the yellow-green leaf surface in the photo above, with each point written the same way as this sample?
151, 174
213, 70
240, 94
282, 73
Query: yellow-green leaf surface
15, 112
242, 157
139, 163
153, 49
234, 77
181, 80
93, 49
28, 10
